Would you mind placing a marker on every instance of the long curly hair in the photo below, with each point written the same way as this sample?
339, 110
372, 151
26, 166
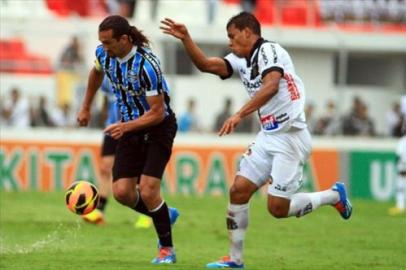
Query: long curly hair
120, 26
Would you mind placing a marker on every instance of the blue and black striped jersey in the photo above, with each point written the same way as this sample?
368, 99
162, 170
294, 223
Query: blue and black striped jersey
133, 78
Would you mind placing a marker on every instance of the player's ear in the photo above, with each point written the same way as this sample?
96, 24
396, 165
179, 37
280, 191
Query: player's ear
247, 32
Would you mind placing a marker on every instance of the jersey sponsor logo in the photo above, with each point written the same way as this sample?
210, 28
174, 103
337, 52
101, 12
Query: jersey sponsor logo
282, 118
269, 122
132, 92
252, 86
292, 88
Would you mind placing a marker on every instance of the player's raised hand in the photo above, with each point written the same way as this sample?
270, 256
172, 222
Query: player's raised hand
229, 125
83, 117
170, 27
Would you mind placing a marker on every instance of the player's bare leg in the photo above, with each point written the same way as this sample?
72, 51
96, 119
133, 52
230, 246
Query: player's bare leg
97, 216
301, 204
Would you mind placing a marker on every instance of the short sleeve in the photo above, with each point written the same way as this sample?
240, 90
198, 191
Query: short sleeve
231, 64
269, 59
100, 54
151, 78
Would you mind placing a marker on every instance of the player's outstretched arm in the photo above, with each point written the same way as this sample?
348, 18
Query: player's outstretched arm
94, 82
268, 89
214, 65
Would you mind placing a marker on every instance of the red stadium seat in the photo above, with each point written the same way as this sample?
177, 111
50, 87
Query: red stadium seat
59, 7
264, 11
15, 58
294, 15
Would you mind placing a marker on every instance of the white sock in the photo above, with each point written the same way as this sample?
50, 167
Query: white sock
237, 223
304, 203
400, 192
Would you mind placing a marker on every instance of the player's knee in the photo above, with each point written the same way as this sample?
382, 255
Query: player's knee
120, 193
277, 211
149, 193
105, 173
238, 195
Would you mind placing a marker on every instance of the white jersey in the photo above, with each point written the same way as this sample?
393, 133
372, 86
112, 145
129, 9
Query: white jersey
286, 108
401, 152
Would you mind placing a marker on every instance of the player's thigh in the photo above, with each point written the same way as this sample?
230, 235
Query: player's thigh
290, 152
158, 147
106, 164
124, 190
286, 176
130, 156
256, 163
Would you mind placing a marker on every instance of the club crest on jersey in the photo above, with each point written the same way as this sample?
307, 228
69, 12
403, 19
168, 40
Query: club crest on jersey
269, 122
132, 76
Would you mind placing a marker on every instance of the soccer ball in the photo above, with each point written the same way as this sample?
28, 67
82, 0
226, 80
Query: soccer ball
81, 197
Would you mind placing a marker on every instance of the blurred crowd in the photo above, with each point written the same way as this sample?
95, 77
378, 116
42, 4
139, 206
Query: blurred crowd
19, 111
356, 122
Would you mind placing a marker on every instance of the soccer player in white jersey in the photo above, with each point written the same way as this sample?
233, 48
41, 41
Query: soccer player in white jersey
282, 146
401, 179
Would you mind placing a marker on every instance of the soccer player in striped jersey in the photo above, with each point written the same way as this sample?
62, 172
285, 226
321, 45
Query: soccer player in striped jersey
281, 147
147, 128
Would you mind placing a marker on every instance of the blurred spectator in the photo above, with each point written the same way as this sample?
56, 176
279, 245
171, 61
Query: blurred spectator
112, 6
212, 6
127, 8
358, 122
72, 58
223, 115
363, 11
16, 110
188, 121
248, 125
71, 74
63, 116
40, 114
329, 123
394, 121
310, 118
249, 5
403, 111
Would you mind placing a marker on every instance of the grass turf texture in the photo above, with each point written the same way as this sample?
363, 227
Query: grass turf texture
38, 232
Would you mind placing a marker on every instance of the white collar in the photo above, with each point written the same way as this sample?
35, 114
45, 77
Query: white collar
128, 56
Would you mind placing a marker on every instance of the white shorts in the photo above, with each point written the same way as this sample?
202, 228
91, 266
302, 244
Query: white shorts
278, 158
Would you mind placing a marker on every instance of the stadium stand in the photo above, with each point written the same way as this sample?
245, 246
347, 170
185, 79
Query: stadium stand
14, 58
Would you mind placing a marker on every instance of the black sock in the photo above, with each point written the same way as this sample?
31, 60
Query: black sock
140, 207
162, 225
102, 203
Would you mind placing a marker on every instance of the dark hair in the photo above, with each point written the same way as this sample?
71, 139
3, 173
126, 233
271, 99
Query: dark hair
120, 26
245, 19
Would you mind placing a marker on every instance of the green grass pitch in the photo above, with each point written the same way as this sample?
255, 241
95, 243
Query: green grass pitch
38, 232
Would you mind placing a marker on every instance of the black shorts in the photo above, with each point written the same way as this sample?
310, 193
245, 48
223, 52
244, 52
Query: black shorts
146, 152
109, 146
